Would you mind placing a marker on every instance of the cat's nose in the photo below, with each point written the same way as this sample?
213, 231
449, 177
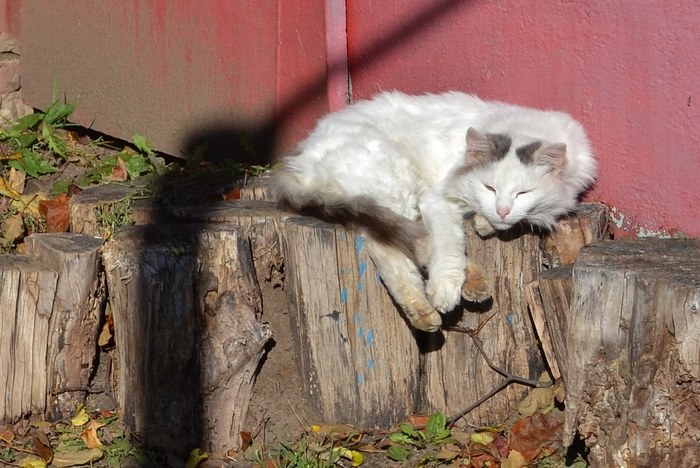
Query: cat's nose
503, 212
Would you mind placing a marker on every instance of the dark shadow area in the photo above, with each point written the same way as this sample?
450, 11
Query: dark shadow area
224, 148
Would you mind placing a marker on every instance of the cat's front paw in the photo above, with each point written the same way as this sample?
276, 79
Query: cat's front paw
475, 288
445, 291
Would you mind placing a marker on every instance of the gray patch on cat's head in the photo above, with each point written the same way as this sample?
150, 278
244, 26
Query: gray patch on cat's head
501, 144
526, 154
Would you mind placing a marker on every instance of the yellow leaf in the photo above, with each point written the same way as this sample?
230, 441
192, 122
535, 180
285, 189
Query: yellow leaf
80, 418
7, 190
515, 460
196, 457
32, 462
17, 179
29, 203
355, 457
483, 438
12, 228
315, 428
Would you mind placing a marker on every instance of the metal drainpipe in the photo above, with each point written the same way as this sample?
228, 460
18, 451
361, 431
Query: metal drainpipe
338, 81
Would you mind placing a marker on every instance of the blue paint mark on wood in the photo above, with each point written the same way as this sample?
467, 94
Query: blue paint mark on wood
511, 319
370, 364
359, 244
362, 268
361, 286
341, 236
344, 295
360, 378
369, 338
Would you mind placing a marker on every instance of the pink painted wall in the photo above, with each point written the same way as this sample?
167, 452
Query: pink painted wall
174, 70
630, 71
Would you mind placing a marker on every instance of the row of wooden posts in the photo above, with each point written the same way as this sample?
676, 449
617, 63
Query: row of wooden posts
616, 323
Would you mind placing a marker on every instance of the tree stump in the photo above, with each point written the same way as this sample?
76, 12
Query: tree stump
358, 356
27, 289
95, 208
257, 188
77, 311
260, 221
549, 298
329, 294
186, 310
633, 372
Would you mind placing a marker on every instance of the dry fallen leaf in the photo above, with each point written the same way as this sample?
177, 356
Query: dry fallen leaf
12, 228
7, 190
83, 457
7, 435
119, 173
16, 180
56, 213
80, 418
515, 460
29, 204
418, 421
532, 434
89, 435
42, 446
32, 462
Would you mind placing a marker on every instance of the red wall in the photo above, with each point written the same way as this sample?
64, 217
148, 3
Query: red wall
630, 71
174, 70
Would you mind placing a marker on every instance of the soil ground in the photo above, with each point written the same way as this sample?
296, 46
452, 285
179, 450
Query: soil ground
279, 408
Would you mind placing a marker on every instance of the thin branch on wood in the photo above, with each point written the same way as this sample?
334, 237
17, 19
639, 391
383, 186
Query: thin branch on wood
510, 378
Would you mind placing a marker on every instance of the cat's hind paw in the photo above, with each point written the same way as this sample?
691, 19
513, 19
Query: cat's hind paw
475, 288
428, 322
482, 226
445, 292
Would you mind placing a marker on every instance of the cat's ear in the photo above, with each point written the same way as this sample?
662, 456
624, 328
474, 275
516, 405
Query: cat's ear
479, 148
551, 158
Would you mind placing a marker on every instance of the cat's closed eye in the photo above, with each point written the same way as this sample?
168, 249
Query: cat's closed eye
523, 192
489, 188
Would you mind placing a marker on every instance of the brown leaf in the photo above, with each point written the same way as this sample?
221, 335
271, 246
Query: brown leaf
246, 440
418, 421
515, 459
56, 213
234, 194
501, 444
42, 446
89, 435
7, 435
119, 173
531, 435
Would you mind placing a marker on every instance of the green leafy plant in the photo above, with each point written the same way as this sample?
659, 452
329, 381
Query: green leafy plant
434, 433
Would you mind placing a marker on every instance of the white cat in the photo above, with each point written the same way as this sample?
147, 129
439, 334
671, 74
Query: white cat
408, 169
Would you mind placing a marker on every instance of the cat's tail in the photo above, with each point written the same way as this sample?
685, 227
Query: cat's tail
359, 212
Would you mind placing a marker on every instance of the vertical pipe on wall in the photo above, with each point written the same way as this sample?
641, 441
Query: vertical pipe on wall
337, 55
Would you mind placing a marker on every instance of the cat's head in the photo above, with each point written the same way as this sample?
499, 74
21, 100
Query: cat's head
509, 179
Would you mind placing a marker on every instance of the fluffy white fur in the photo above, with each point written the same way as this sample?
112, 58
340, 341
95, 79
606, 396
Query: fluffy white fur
409, 154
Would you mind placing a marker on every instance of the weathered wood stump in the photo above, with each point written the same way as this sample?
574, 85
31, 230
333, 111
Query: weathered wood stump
186, 310
93, 209
77, 310
359, 359
337, 302
257, 188
259, 220
633, 366
27, 289
549, 298
456, 374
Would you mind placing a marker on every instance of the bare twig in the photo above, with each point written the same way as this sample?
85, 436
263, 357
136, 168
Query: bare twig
510, 378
